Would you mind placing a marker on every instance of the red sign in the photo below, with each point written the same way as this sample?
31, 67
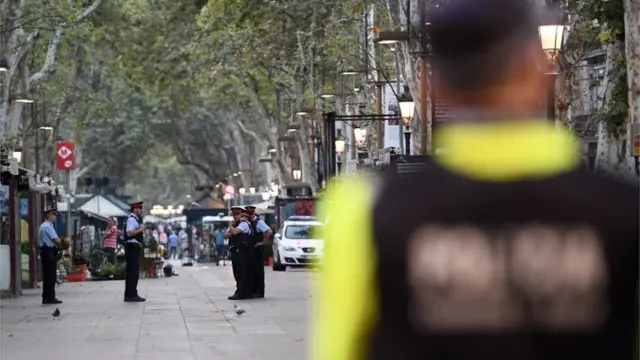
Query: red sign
65, 156
636, 145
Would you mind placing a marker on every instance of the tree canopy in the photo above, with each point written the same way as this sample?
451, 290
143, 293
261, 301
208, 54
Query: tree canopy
191, 91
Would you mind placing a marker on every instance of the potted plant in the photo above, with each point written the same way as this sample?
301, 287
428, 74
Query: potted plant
122, 270
65, 243
152, 244
109, 271
76, 275
96, 259
80, 262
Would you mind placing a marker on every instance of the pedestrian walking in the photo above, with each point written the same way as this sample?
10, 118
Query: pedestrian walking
238, 234
495, 251
261, 233
111, 240
222, 248
49, 242
134, 233
173, 243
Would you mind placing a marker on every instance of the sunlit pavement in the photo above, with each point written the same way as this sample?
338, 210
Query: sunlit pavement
185, 317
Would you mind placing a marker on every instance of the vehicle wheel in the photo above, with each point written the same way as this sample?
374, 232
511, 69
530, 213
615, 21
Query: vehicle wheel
276, 264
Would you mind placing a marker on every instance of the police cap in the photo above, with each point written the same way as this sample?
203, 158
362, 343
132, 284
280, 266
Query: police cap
472, 32
478, 25
136, 205
50, 211
236, 209
251, 209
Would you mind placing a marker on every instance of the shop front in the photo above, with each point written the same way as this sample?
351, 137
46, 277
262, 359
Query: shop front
23, 197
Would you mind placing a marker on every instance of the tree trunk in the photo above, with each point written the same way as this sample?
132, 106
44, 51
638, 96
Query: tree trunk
612, 155
409, 64
632, 42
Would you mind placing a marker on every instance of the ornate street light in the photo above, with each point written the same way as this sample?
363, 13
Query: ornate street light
407, 110
291, 128
297, 175
305, 111
551, 31
252, 190
23, 99
242, 191
339, 146
551, 39
391, 37
17, 154
361, 136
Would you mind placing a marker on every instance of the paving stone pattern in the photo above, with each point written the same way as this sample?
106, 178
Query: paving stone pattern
186, 317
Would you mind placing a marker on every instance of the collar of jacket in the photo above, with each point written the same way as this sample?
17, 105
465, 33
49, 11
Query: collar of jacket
507, 150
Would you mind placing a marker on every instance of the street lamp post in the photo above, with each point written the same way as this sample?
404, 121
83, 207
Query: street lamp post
407, 109
242, 191
551, 32
360, 135
17, 154
339, 145
297, 175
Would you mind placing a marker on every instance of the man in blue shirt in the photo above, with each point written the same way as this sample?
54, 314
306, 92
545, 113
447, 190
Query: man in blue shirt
221, 247
133, 238
173, 246
48, 240
262, 234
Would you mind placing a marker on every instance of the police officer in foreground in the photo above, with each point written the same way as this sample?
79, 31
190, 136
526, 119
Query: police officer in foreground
133, 238
261, 233
239, 233
504, 249
49, 242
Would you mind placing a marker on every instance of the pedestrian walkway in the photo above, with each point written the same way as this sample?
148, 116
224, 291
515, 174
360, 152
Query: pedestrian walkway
186, 317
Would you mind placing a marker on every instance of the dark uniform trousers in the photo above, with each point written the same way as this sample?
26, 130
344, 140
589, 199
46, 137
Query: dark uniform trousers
49, 258
132, 253
241, 264
237, 261
258, 271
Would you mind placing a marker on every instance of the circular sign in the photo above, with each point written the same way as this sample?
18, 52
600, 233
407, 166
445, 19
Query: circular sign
68, 163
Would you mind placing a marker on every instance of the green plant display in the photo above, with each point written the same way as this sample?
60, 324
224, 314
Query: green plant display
25, 248
79, 259
605, 19
152, 244
96, 259
109, 270
65, 263
122, 269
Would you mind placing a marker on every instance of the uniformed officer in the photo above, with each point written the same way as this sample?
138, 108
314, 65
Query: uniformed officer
261, 232
238, 234
49, 242
494, 252
134, 233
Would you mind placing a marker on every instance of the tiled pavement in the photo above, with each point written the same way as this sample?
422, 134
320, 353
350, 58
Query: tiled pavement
186, 317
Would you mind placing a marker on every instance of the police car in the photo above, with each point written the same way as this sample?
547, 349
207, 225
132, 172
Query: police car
295, 244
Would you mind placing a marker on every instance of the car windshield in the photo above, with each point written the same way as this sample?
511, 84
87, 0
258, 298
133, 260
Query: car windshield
301, 231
